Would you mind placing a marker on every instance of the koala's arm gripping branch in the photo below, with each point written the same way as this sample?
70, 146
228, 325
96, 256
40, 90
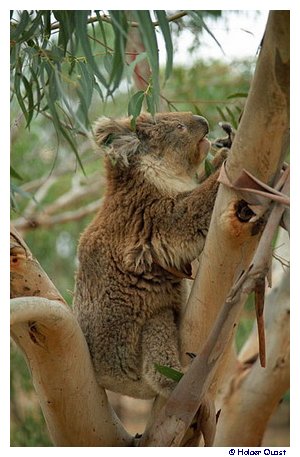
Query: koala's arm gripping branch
76, 409
183, 222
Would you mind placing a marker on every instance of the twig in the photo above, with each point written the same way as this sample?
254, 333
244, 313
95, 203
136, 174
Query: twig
106, 18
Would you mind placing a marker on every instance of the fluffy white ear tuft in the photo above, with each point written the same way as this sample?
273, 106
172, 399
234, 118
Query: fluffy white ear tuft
120, 141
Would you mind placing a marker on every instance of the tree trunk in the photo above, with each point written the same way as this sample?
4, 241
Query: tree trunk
259, 147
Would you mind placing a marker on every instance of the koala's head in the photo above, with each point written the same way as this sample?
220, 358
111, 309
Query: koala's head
172, 139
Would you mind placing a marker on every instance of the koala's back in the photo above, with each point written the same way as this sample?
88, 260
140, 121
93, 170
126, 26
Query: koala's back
113, 302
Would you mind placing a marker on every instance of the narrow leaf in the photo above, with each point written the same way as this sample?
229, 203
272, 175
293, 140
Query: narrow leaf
197, 15
208, 167
19, 29
35, 82
35, 24
238, 95
169, 372
232, 117
165, 28
100, 22
66, 29
120, 27
197, 110
135, 105
15, 174
85, 92
223, 117
150, 103
46, 24
148, 36
81, 18
17, 87
29, 95
14, 189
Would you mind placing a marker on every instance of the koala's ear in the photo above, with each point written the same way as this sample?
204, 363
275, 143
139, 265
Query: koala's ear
106, 130
120, 141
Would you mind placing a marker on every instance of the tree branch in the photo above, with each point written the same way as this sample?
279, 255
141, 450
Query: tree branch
49, 215
106, 18
75, 407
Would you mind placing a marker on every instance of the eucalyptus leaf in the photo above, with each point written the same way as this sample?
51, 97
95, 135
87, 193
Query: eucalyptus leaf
16, 31
35, 24
238, 95
120, 26
135, 106
148, 35
81, 18
223, 117
231, 117
198, 17
100, 22
150, 103
29, 95
15, 174
17, 88
165, 28
208, 167
169, 372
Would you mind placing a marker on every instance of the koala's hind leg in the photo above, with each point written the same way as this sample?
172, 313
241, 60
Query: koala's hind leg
160, 346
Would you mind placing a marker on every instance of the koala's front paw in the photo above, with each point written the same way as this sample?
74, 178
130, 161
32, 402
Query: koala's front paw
228, 140
220, 157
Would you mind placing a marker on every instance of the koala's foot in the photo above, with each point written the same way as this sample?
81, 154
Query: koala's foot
160, 347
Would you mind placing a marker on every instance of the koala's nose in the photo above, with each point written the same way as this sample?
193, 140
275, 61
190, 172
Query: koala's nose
202, 121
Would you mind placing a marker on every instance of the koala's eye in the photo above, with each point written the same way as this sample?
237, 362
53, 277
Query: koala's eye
181, 126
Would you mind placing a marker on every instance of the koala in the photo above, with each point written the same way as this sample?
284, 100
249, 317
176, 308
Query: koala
136, 253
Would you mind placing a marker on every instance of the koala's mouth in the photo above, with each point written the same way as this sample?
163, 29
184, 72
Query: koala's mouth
203, 147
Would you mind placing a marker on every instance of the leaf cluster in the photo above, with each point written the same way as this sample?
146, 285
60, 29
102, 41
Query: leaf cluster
59, 59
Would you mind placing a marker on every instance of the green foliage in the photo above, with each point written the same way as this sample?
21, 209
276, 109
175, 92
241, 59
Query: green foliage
32, 433
208, 167
169, 372
25, 410
212, 89
61, 60
165, 28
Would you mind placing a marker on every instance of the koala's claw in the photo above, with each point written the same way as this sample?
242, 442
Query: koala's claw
192, 355
227, 141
